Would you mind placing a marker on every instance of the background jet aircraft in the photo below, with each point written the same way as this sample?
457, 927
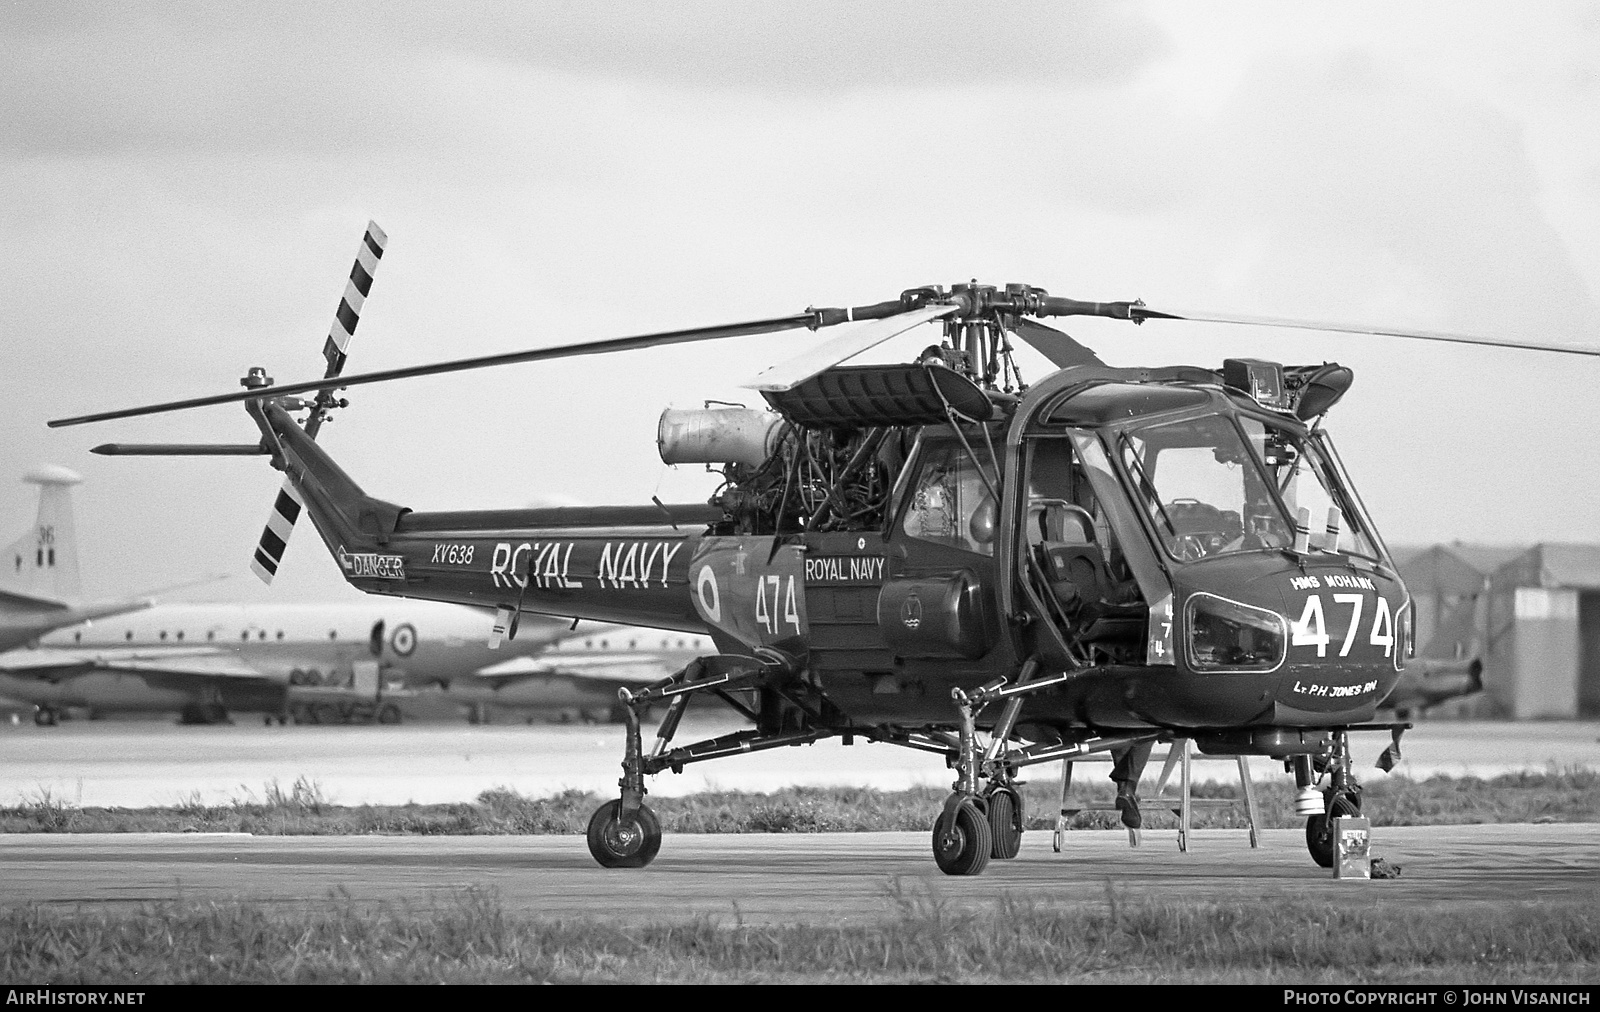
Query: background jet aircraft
580, 675
1448, 668
327, 662
39, 581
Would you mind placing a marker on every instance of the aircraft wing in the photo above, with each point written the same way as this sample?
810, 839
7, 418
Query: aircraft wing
24, 617
630, 668
1427, 681
17, 601
172, 662
64, 613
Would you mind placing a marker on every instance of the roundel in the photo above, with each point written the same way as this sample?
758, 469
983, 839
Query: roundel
710, 595
404, 640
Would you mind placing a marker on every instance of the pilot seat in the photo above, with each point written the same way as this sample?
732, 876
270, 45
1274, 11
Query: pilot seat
1103, 609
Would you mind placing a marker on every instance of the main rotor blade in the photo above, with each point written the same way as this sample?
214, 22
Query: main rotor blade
1062, 351
461, 365
790, 374
1141, 314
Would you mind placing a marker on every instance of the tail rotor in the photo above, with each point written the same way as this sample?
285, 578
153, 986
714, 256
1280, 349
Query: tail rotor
335, 348
286, 508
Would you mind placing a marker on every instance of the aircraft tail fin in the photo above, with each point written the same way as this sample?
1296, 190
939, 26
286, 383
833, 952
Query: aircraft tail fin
1457, 636
43, 563
287, 507
1449, 667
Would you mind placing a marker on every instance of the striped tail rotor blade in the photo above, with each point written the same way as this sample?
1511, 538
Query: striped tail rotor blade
275, 536
355, 296
286, 508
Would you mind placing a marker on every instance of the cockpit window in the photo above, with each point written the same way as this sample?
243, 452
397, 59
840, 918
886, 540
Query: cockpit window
1206, 492
1212, 490
950, 503
1305, 480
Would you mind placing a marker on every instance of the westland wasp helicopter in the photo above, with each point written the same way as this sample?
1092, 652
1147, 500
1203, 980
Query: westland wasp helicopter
923, 553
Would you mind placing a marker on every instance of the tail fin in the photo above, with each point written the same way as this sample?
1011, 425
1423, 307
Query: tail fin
1448, 668
44, 562
1457, 636
286, 509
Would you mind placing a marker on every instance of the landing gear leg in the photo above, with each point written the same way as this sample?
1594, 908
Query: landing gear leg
1002, 800
962, 839
209, 712
1342, 797
625, 833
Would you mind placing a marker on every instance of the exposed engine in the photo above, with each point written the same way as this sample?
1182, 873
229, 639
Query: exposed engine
782, 478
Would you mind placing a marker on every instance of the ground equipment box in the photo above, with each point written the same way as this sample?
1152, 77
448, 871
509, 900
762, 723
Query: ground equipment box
1352, 847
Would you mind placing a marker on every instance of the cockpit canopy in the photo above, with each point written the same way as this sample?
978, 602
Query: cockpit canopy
1214, 476
1223, 483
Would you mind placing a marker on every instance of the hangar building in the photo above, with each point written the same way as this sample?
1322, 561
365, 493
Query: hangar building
1543, 634
1536, 622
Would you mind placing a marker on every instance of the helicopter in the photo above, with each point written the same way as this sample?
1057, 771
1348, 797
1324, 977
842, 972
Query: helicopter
934, 555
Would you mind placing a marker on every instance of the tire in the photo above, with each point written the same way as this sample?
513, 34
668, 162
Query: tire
618, 845
965, 849
204, 714
1319, 828
389, 714
1005, 824
44, 717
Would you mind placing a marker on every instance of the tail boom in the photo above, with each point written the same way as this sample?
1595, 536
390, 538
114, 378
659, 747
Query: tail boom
570, 561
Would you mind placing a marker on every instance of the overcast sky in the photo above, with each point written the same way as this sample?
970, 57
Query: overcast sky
184, 190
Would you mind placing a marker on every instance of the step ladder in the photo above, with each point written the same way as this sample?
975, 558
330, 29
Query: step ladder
1179, 755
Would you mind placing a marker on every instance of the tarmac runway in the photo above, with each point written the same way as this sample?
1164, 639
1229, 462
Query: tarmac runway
754, 877
149, 763
825, 878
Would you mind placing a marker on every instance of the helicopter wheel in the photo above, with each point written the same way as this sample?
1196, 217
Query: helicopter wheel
1319, 828
965, 848
616, 844
1005, 823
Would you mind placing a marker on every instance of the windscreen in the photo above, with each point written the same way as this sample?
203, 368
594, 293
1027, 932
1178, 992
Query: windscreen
1306, 479
1204, 489
1216, 485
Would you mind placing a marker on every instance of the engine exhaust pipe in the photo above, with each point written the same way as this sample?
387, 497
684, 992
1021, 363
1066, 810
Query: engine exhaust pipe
718, 436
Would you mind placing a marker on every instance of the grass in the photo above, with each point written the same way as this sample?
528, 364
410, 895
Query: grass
1571, 795
470, 937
